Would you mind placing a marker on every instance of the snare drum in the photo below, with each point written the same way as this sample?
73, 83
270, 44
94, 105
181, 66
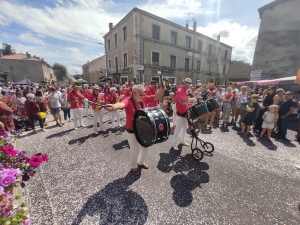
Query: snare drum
198, 110
212, 105
151, 126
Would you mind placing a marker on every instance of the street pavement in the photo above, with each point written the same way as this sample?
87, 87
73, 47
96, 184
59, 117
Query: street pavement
87, 180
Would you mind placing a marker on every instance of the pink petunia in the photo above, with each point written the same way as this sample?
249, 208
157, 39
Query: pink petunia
10, 151
35, 161
45, 158
7, 179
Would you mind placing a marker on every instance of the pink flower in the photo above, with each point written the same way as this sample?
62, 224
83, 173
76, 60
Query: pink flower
1, 190
35, 161
45, 158
27, 221
10, 151
12, 172
7, 179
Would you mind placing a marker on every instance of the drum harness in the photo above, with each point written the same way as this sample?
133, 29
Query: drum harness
135, 108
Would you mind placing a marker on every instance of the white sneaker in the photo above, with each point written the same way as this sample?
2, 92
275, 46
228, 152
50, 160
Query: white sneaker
43, 130
297, 166
82, 125
96, 131
175, 147
185, 143
120, 125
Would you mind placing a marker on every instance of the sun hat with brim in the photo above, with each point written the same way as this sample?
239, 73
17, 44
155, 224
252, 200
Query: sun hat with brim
187, 81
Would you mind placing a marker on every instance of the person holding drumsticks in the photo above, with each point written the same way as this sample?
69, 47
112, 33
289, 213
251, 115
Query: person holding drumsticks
131, 104
182, 107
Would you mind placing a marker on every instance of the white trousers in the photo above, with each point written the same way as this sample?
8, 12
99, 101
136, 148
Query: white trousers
113, 115
87, 108
77, 115
174, 113
181, 126
96, 116
137, 152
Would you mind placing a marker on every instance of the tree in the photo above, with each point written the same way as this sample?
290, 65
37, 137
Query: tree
7, 49
61, 72
4, 75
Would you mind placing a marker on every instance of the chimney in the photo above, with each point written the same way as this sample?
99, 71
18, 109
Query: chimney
218, 38
28, 56
195, 25
187, 25
110, 25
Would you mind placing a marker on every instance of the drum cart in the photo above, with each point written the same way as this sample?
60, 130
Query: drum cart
198, 146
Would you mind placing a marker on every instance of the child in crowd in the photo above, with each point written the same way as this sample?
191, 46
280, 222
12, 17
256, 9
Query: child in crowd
270, 118
251, 108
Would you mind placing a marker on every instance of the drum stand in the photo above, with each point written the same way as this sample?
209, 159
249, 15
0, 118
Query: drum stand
198, 146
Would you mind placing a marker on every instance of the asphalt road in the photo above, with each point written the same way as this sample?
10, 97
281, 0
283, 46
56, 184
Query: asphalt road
87, 180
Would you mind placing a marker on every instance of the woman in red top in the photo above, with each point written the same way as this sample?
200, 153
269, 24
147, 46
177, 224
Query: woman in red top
32, 110
113, 98
137, 152
227, 106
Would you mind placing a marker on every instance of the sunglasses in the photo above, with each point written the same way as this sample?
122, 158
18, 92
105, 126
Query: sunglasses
142, 94
287, 94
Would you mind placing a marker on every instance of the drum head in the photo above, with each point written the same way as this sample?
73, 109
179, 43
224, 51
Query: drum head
144, 128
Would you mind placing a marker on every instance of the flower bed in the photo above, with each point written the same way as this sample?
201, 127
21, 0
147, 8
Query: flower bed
16, 168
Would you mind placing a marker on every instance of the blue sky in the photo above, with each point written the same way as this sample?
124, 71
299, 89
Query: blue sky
67, 31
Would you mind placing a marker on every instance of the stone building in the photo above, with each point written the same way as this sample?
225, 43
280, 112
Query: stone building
26, 66
239, 71
278, 43
142, 44
94, 70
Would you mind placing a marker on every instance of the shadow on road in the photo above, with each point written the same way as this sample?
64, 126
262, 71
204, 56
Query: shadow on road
122, 145
81, 140
59, 134
183, 184
115, 204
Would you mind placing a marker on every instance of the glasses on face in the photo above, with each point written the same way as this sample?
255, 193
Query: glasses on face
287, 94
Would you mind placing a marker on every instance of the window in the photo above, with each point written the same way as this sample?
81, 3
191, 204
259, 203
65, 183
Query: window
125, 59
217, 68
188, 42
198, 65
116, 39
225, 54
224, 69
108, 43
173, 61
124, 33
116, 61
208, 67
109, 63
155, 58
173, 38
186, 63
155, 32
209, 49
200, 46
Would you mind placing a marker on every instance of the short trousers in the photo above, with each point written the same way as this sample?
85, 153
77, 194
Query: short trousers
268, 126
247, 120
54, 110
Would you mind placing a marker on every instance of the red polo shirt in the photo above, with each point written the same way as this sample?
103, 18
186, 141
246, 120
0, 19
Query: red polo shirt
181, 95
130, 111
95, 99
112, 99
72, 97
128, 92
150, 91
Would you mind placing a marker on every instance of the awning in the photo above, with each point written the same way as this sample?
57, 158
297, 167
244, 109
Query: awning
80, 81
279, 81
105, 79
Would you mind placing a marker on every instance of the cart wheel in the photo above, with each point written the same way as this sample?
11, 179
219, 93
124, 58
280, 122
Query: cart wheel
208, 147
197, 154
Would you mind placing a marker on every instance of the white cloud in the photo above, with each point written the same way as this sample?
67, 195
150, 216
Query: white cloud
27, 37
73, 50
4, 21
241, 38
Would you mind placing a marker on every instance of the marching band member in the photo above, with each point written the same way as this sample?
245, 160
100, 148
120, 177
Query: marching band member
97, 111
182, 107
113, 98
152, 90
173, 105
131, 104
75, 98
128, 92
86, 93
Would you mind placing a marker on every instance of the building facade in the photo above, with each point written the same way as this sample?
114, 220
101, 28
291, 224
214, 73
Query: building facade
278, 43
142, 44
26, 66
239, 71
95, 70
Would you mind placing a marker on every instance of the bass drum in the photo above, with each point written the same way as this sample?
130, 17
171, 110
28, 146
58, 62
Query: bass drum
151, 126
212, 105
198, 110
